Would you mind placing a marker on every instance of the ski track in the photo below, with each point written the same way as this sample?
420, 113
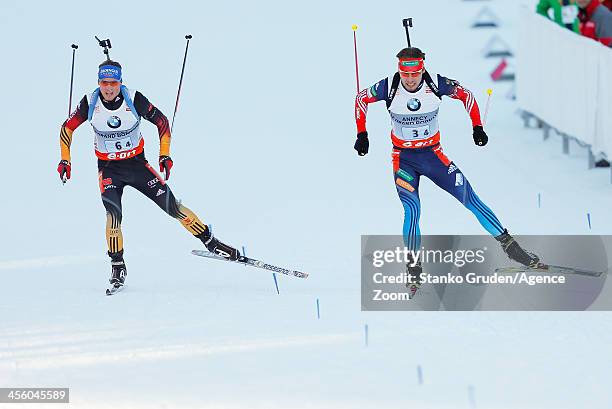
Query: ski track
87, 353
42, 262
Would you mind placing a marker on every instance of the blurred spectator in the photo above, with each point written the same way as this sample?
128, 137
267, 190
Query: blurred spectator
596, 21
601, 162
607, 3
562, 12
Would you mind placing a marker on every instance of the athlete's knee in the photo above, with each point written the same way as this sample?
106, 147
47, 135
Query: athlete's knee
467, 196
410, 201
113, 211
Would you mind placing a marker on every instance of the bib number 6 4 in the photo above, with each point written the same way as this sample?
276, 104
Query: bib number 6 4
127, 145
119, 145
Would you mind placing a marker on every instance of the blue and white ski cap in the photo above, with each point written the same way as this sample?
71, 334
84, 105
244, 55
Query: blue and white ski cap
109, 72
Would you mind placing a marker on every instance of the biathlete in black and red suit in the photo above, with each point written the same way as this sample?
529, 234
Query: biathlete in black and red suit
114, 113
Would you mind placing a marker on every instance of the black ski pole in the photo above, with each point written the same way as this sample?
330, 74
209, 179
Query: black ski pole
178, 93
74, 48
407, 22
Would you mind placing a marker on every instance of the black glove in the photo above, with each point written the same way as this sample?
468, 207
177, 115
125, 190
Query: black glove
362, 144
480, 136
165, 164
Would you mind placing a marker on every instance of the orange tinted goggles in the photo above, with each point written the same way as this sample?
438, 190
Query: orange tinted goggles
109, 83
410, 74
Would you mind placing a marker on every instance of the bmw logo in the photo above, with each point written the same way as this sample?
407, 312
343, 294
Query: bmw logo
414, 104
114, 122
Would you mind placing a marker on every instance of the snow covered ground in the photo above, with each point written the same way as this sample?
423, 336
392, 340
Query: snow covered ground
263, 150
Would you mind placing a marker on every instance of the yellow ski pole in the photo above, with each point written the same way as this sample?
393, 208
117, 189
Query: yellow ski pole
484, 119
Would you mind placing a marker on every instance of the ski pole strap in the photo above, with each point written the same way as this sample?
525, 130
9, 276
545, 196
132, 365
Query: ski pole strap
128, 100
432, 85
393, 90
92, 104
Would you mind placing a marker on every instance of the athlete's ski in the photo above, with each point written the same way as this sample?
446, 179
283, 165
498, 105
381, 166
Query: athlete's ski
252, 262
114, 290
549, 268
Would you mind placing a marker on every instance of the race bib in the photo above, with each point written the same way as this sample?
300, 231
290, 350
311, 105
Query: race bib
416, 133
118, 145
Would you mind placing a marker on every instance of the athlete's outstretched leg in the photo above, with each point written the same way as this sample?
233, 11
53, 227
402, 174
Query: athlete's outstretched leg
457, 185
483, 213
158, 190
193, 224
448, 176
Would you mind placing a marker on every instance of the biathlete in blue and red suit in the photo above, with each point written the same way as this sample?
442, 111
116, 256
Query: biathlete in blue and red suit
413, 99
115, 113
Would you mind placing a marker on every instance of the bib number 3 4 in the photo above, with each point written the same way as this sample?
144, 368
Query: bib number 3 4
416, 133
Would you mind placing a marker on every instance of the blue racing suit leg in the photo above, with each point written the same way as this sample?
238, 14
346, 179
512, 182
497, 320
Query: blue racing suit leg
449, 177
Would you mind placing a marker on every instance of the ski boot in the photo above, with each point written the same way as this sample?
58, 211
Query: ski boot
415, 278
515, 252
119, 271
217, 247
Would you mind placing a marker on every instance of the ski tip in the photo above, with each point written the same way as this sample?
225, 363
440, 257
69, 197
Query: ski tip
113, 291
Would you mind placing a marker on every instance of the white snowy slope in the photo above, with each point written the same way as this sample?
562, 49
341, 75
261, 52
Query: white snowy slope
262, 147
